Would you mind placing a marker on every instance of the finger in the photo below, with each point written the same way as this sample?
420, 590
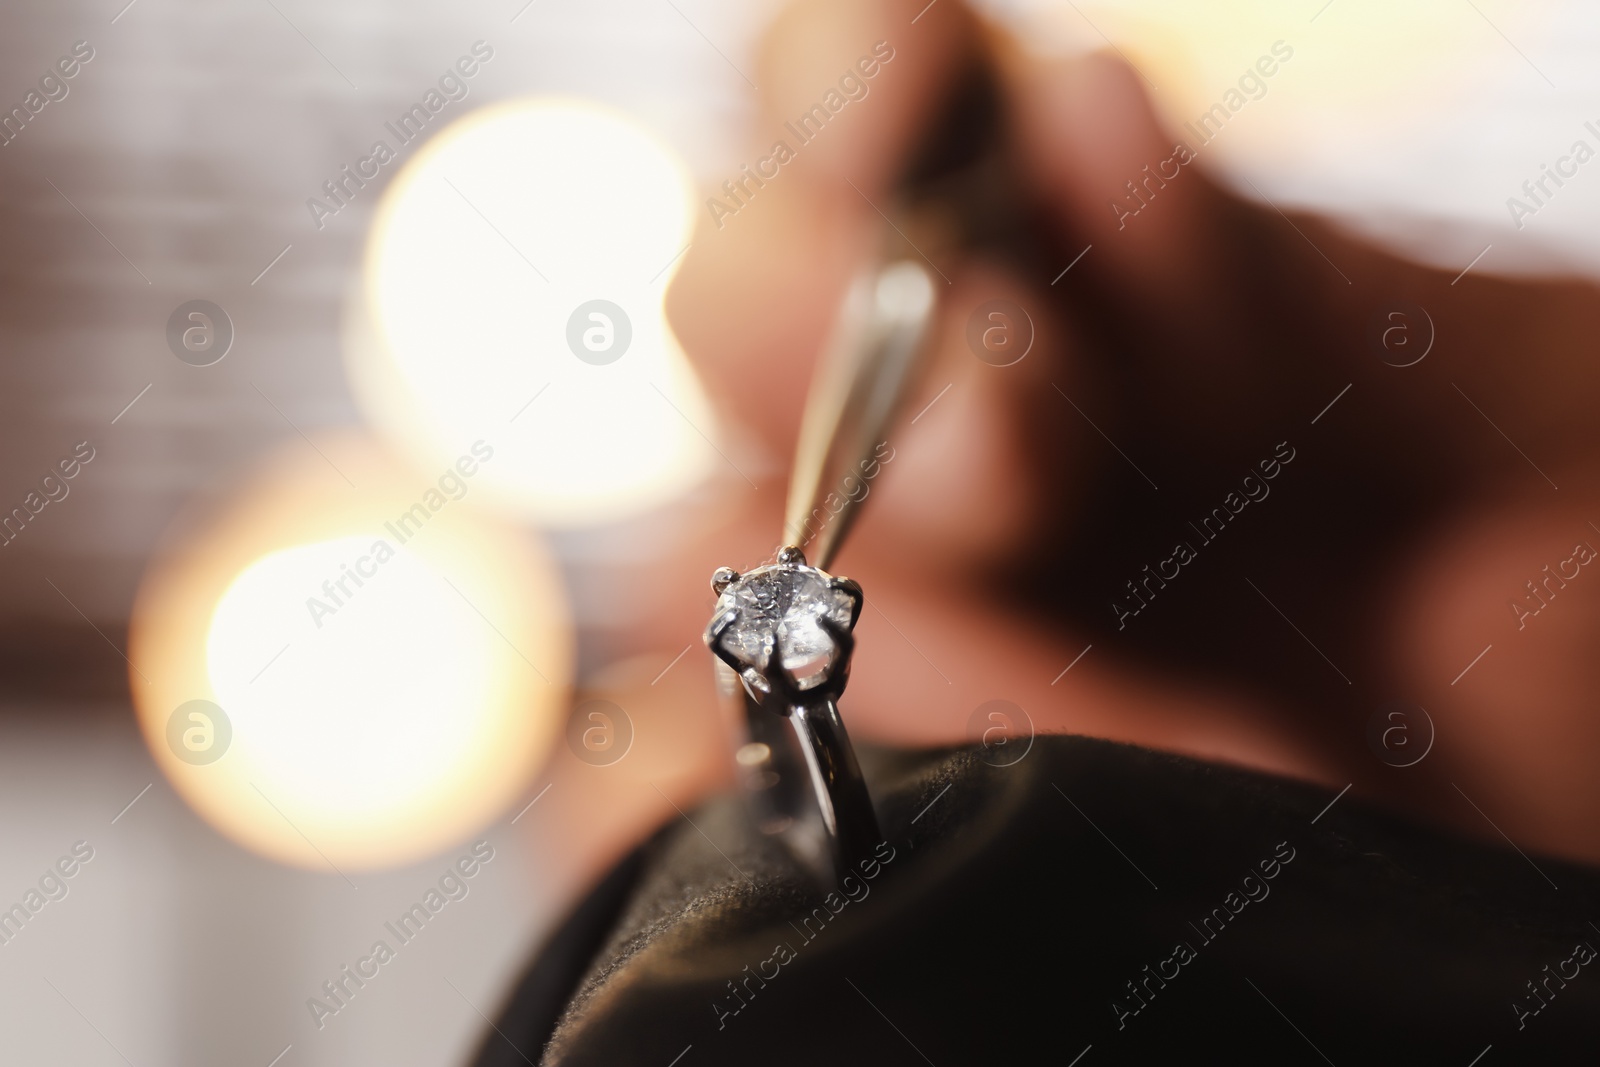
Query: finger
1101, 160
1494, 621
1231, 281
757, 293
982, 453
875, 75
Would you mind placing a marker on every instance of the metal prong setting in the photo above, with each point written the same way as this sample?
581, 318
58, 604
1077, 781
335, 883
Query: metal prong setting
719, 626
771, 677
852, 589
753, 681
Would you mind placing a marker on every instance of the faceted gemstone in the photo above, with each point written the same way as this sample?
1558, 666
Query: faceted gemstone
784, 604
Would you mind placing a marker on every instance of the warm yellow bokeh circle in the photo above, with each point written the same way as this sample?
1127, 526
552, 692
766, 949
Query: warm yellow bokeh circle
1354, 68
392, 663
492, 241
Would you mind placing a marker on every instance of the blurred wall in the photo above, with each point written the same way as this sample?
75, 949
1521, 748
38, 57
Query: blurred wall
177, 167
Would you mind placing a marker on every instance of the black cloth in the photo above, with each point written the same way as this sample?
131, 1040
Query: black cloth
1093, 896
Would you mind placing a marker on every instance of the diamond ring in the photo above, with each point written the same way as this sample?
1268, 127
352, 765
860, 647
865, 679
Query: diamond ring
783, 632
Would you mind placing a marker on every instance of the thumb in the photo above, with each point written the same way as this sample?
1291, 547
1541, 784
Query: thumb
1102, 162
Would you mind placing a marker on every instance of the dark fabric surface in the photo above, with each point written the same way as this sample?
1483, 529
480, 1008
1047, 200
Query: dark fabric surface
1016, 905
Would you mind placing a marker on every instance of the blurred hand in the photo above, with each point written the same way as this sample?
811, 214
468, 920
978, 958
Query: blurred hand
1192, 344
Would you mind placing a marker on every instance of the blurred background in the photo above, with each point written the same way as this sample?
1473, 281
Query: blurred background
369, 352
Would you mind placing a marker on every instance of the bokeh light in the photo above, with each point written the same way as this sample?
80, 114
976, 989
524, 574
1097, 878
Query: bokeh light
477, 313
1353, 63
391, 672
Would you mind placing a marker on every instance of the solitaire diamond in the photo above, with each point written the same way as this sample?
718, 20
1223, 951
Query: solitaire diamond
781, 607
